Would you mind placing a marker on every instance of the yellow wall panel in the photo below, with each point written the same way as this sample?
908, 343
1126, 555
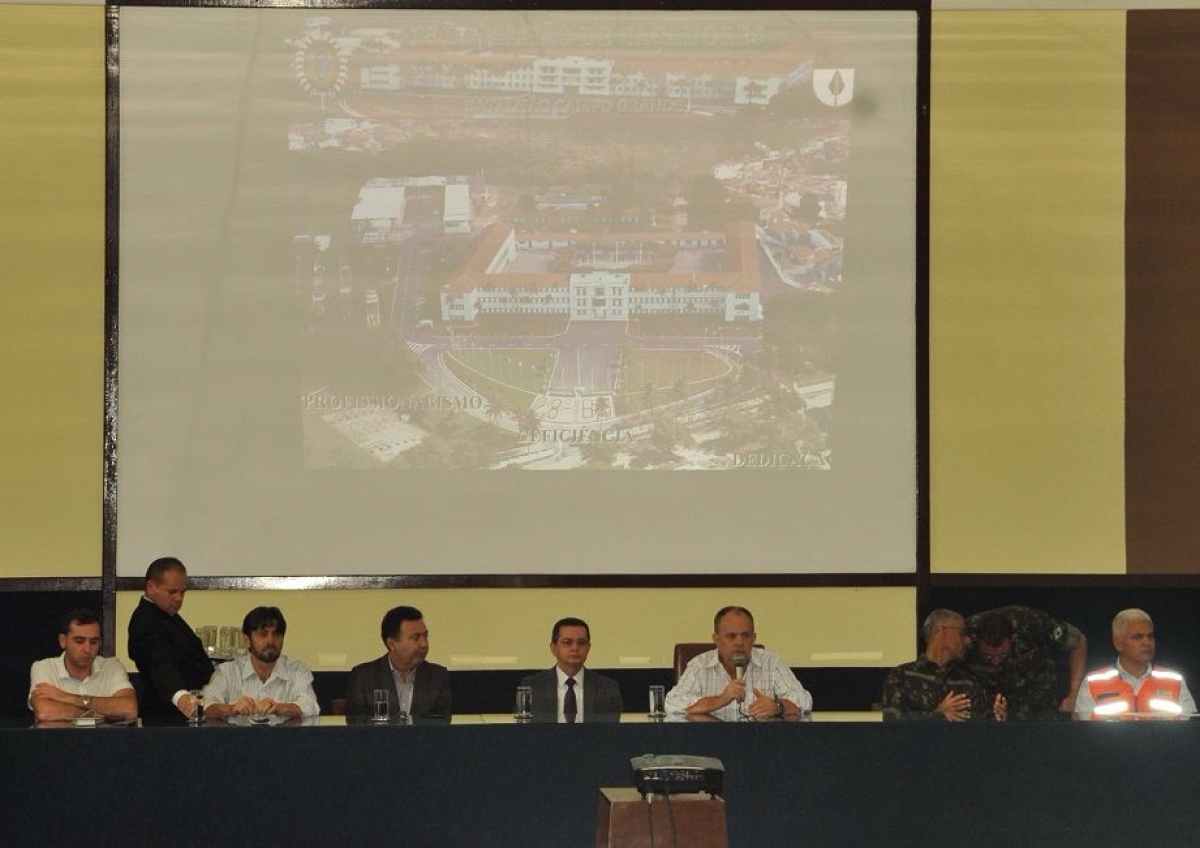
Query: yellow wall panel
52, 320
631, 628
1027, 292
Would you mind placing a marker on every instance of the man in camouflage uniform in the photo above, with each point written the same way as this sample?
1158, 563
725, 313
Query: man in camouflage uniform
940, 686
1012, 650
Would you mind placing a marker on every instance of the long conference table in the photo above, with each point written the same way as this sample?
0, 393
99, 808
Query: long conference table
842, 779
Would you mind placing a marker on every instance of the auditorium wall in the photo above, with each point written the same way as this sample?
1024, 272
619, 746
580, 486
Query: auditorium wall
1025, 346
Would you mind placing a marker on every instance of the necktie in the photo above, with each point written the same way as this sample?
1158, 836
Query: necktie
570, 705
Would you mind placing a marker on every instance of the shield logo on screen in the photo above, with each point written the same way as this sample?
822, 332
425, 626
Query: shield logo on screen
834, 86
321, 69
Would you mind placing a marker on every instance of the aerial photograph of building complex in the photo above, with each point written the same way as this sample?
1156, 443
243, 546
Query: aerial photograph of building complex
548, 243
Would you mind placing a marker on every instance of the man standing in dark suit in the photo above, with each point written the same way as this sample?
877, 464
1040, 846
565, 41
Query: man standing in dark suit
568, 693
415, 687
170, 657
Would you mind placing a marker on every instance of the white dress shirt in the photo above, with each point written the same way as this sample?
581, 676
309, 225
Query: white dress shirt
405, 686
765, 671
562, 694
107, 677
290, 682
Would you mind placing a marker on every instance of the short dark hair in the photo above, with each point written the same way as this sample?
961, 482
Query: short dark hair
264, 617
569, 622
724, 611
394, 618
161, 566
994, 628
79, 615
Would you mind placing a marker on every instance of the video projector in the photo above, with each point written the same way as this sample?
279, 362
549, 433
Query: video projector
670, 774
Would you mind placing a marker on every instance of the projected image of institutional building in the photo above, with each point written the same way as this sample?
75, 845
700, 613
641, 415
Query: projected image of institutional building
565, 247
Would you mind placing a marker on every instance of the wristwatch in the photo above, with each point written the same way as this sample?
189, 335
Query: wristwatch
778, 708
87, 701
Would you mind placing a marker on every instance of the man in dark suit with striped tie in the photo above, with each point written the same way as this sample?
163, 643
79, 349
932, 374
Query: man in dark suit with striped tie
567, 692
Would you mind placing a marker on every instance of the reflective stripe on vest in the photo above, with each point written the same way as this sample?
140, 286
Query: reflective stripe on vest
1113, 696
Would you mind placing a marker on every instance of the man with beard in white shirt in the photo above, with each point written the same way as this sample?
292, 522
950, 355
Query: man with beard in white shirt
263, 682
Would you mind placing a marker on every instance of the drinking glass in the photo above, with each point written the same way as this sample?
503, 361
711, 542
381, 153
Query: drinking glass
381, 705
524, 706
197, 716
208, 638
658, 697
227, 641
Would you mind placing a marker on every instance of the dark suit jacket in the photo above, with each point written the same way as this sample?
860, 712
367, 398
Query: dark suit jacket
431, 688
601, 696
169, 657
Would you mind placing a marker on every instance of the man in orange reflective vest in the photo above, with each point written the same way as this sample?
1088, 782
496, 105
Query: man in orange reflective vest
1133, 687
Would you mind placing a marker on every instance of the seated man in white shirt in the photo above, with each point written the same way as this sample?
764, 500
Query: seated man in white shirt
1134, 687
738, 680
263, 682
80, 682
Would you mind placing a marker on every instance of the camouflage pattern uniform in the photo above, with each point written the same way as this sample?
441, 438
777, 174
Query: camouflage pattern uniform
1028, 676
912, 691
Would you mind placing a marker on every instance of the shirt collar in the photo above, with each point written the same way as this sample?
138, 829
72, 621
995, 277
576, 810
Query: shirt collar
1121, 670
562, 677
398, 674
247, 669
161, 611
60, 668
712, 659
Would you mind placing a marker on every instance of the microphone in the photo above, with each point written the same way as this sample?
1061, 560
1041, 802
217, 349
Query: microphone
739, 664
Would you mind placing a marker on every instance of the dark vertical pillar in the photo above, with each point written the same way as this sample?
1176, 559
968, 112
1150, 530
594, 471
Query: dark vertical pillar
1162, 273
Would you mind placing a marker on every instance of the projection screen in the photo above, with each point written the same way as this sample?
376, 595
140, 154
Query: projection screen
468, 292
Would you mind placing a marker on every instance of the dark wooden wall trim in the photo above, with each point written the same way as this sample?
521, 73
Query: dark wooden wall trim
1162, 298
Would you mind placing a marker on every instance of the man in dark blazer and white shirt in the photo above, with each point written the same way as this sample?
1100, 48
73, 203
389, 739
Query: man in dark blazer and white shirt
170, 657
596, 697
416, 687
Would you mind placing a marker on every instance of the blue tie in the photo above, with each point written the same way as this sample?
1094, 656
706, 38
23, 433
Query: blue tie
570, 705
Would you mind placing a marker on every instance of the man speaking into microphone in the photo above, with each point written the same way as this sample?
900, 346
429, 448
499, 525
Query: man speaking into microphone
737, 680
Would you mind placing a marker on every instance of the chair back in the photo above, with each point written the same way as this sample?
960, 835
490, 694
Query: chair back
685, 652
